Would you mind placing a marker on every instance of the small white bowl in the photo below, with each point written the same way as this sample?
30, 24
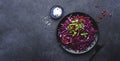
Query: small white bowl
56, 12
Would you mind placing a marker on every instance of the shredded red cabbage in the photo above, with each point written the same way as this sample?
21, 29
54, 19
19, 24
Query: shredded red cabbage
77, 32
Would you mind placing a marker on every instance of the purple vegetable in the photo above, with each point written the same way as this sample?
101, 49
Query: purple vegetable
77, 32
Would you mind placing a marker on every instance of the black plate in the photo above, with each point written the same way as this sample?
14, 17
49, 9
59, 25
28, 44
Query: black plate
94, 25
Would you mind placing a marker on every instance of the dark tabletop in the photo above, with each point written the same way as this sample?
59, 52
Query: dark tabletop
27, 33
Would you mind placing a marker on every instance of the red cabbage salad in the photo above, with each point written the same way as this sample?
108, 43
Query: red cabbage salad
77, 32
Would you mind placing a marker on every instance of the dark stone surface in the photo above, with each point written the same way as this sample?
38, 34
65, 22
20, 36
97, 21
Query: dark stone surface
27, 33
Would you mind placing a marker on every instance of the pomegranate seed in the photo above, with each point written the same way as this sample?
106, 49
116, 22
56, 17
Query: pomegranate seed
96, 6
97, 21
104, 10
110, 15
103, 14
100, 17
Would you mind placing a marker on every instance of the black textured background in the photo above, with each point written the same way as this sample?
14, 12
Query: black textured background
27, 33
